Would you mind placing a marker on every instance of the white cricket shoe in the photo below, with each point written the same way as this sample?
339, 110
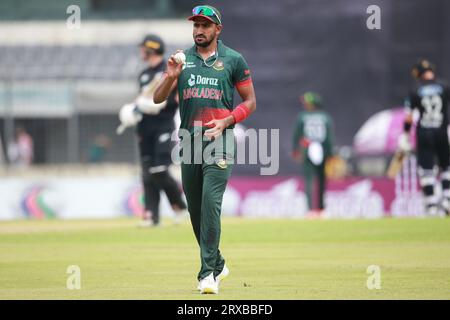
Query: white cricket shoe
446, 205
225, 272
208, 285
147, 224
434, 212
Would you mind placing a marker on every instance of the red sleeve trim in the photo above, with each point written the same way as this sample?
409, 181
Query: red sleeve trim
244, 83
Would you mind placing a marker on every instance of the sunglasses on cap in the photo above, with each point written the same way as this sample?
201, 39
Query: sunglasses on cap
206, 11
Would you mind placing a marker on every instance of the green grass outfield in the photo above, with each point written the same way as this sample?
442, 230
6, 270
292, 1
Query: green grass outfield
268, 259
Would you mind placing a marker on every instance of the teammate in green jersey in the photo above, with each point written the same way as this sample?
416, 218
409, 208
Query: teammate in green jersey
205, 85
313, 146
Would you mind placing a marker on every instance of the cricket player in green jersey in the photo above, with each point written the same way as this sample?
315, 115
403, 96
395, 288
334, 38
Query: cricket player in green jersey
205, 82
313, 146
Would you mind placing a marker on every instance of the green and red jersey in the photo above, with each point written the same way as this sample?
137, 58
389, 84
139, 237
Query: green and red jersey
313, 126
206, 88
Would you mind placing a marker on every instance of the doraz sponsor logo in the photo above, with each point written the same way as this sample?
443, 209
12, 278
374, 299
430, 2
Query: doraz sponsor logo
193, 80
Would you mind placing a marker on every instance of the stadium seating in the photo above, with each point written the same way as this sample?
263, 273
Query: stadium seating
113, 62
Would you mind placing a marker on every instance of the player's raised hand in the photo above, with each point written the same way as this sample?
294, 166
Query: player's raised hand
174, 68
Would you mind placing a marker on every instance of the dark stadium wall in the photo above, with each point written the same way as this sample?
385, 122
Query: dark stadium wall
325, 46
291, 46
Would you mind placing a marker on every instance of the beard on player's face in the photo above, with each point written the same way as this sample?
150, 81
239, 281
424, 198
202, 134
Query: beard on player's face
204, 38
203, 41
204, 33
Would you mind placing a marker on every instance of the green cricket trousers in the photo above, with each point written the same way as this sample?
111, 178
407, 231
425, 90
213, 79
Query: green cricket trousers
314, 177
204, 183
